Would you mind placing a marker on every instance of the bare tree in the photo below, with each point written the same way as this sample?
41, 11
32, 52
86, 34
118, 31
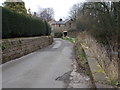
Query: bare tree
46, 14
74, 11
102, 20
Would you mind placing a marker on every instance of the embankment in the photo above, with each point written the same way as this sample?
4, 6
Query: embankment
108, 63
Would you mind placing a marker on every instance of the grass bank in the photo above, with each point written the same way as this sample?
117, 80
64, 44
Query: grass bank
73, 40
80, 56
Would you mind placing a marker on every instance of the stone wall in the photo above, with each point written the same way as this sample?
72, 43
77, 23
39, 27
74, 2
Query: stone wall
15, 48
110, 66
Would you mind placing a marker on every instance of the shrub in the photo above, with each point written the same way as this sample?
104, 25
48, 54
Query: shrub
19, 25
58, 34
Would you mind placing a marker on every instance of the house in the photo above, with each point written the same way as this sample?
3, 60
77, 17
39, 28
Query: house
63, 26
70, 25
57, 25
52, 24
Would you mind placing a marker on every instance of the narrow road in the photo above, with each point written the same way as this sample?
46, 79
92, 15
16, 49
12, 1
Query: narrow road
45, 68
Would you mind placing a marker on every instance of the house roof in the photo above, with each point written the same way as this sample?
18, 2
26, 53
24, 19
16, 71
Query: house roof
69, 20
60, 22
53, 22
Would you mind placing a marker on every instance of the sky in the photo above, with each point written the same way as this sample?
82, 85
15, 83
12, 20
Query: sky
60, 7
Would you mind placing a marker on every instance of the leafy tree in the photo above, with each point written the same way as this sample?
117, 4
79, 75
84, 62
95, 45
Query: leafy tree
18, 7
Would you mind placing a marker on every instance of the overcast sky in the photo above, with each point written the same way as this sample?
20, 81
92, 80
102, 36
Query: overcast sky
61, 7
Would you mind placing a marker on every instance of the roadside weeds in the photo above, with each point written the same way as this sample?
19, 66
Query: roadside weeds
81, 76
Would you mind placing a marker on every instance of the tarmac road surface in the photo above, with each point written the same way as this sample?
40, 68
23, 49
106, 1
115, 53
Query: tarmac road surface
46, 68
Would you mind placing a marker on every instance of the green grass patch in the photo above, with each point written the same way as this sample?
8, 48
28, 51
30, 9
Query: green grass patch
73, 40
82, 56
81, 59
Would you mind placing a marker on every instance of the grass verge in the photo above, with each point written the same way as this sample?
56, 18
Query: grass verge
81, 58
73, 40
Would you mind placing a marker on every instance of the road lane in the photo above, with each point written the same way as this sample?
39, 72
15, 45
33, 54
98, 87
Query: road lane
40, 69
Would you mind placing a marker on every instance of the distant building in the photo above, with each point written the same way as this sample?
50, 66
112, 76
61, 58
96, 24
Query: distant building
70, 24
52, 24
62, 25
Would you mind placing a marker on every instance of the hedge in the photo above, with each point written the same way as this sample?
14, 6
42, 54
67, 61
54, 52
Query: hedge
19, 25
58, 34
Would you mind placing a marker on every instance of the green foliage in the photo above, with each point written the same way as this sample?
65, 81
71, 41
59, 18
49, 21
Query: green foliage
48, 28
19, 25
18, 7
115, 83
58, 34
112, 82
82, 58
100, 71
73, 40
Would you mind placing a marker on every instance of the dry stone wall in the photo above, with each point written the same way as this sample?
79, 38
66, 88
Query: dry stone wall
15, 48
